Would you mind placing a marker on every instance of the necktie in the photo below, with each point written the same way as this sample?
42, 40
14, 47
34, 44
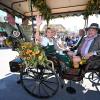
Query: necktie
85, 44
84, 47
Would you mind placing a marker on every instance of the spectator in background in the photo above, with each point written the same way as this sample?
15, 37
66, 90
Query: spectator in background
2, 38
80, 37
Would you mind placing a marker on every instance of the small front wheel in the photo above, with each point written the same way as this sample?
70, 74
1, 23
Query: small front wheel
94, 77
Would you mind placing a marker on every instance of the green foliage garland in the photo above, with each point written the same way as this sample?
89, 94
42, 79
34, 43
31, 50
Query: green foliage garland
43, 8
93, 7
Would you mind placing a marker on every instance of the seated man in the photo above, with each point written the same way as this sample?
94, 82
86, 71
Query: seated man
89, 46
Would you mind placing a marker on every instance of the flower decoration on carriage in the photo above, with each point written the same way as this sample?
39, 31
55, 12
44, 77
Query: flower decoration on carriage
33, 54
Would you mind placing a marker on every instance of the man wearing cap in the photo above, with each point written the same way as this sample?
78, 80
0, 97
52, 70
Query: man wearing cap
89, 46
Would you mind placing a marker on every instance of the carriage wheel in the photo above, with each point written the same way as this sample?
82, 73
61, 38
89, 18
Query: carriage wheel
40, 82
94, 77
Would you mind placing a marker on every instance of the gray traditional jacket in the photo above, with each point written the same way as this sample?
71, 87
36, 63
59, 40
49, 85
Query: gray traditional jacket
95, 45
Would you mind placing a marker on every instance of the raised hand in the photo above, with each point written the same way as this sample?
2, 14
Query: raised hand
38, 20
38, 23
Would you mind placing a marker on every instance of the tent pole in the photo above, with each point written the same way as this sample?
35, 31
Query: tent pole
86, 24
32, 19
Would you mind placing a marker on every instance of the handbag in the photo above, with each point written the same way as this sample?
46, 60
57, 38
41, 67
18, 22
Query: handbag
15, 65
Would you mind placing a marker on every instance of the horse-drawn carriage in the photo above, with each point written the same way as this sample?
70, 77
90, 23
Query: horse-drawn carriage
43, 81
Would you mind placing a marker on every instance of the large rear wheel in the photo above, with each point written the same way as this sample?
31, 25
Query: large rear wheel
41, 82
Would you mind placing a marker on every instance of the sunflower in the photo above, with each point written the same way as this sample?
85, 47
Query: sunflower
33, 54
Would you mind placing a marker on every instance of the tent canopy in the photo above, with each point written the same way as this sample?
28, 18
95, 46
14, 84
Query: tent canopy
22, 7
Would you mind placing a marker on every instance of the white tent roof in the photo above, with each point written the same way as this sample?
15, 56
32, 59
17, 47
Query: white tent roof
57, 6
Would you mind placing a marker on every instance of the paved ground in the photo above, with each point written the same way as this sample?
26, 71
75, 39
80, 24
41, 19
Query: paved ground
10, 90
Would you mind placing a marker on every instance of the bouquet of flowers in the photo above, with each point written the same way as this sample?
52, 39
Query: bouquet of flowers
33, 54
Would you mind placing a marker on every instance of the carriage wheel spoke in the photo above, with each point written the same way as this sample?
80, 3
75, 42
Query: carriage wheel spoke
48, 87
49, 81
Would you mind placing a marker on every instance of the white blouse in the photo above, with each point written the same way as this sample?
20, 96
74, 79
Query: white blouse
45, 41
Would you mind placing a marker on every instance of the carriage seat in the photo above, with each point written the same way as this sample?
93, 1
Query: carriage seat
93, 64
73, 74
